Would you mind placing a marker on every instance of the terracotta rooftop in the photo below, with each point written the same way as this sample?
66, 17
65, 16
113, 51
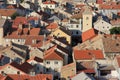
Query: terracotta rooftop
53, 55
7, 12
99, 2
34, 31
52, 26
27, 77
109, 6
88, 34
35, 59
19, 20
49, 2
88, 54
32, 18
111, 43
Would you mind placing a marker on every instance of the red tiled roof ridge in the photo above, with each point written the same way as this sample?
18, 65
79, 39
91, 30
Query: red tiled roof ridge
52, 26
88, 34
53, 56
36, 77
49, 2
88, 54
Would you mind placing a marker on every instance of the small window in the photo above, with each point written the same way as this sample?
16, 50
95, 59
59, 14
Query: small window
77, 26
77, 32
2, 72
56, 62
47, 69
117, 44
18, 72
18, 40
48, 62
103, 26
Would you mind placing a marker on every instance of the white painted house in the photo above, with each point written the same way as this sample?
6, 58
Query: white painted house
53, 63
102, 26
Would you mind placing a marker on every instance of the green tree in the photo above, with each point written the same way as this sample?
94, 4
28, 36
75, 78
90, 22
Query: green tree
115, 30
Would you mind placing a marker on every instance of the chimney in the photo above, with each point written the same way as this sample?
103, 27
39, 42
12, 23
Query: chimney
20, 26
29, 26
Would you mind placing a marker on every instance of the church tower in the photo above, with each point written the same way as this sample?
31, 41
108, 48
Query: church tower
87, 19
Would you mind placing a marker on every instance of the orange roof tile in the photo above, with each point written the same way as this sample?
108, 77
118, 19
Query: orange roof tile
7, 12
36, 59
99, 1
49, 2
29, 77
35, 31
54, 55
88, 71
88, 54
33, 18
19, 20
52, 26
25, 31
88, 34
109, 6
30, 38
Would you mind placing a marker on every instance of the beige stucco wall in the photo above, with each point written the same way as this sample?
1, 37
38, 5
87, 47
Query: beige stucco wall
87, 22
1, 36
62, 34
67, 72
10, 70
52, 65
